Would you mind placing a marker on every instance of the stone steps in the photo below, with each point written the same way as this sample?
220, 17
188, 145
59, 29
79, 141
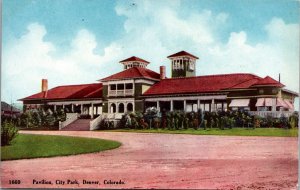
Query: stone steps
78, 125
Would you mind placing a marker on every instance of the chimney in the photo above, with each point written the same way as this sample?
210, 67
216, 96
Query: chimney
162, 72
279, 78
44, 85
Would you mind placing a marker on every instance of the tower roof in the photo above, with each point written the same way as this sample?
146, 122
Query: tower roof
134, 72
182, 53
134, 58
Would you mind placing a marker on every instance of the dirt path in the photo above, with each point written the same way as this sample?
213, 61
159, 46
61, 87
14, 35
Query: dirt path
166, 161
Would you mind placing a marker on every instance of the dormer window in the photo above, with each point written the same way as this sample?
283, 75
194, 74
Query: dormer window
192, 66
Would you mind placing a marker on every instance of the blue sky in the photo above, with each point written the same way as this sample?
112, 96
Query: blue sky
81, 41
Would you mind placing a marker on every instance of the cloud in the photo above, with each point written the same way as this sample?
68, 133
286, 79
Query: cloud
277, 54
152, 30
30, 58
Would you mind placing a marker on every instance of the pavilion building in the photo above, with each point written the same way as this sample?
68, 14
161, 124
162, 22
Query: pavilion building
136, 88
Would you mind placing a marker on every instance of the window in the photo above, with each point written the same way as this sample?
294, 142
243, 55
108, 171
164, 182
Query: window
274, 91
120, 86
128, 86
112, 87
113, 108
175, 64
129, 107
121, 108
135, 64
191, 66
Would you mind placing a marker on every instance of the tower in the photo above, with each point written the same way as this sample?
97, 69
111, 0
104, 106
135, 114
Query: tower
134, 62
183, 64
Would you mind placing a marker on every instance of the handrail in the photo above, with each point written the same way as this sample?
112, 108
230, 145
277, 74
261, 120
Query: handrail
70, 117
95, 122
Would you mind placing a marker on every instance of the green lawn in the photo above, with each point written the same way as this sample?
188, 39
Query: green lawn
36, 146
275, 132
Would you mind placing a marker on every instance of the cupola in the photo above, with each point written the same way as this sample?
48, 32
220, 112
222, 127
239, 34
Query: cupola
183, 64
134, 62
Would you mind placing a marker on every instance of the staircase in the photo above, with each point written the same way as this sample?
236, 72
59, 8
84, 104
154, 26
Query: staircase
78, 125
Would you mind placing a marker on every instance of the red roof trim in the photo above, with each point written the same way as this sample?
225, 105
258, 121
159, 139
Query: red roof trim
182, 53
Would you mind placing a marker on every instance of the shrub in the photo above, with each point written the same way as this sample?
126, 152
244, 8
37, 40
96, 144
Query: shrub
195, 124
203, 124
293, 121
104, 124
156, 123
122, 123
180, 120
257, 121
143, 124
284, 123
185, 122
8, 132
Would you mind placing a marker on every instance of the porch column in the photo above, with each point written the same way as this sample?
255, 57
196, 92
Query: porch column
198, 104
184, 105
273, 104
213, 105
125, 107
157, 105
72, 108
92, 114
81, 109
63, 106
171, 105
133, 106
54, 107
117, 107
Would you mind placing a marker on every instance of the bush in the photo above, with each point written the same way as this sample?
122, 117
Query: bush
8, 132
257, 121
293, 121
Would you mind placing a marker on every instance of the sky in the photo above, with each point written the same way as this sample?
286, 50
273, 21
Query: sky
82, 41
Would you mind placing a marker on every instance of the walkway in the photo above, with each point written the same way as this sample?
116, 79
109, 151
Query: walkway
166, 161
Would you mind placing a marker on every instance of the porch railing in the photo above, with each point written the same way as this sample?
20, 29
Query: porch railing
276, 114
70, 117
95, 123
126, 92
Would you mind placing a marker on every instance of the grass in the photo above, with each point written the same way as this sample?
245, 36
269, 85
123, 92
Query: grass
271, 132
37, 146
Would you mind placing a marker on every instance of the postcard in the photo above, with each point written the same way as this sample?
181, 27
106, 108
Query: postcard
148, 94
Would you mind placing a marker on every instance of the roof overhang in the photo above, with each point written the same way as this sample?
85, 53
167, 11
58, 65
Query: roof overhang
290, 92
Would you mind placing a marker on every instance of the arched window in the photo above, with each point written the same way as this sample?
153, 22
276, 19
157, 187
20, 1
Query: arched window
113, 108
121, 108
129, 107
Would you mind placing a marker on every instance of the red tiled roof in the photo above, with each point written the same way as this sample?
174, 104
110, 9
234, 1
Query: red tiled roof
134, 58
246, 83
134, 72
268, 81
70, 92
182, 53
203, 84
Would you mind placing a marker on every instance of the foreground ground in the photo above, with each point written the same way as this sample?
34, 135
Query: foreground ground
37, 146
166, 161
